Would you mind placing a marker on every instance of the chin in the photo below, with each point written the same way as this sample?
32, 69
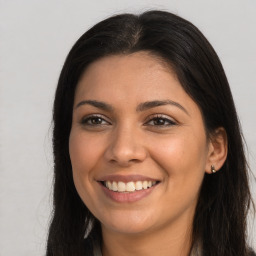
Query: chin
130, 225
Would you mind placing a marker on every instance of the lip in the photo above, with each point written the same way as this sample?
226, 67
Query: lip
127, 197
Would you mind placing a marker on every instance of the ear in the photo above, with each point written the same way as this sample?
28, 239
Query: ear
218, 149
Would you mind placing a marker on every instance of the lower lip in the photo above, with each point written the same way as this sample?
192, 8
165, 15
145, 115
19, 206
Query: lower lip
127, 197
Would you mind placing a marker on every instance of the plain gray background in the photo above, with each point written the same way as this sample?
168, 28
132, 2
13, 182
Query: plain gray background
35, 37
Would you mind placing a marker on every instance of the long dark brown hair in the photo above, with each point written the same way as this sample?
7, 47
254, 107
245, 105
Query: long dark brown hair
224, 200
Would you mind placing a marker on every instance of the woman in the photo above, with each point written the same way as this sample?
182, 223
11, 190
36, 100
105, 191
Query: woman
148, 152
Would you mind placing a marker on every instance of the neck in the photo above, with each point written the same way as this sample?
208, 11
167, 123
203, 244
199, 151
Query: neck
172, 240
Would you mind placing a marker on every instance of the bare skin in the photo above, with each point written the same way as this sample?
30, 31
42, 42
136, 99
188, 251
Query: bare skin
132, 117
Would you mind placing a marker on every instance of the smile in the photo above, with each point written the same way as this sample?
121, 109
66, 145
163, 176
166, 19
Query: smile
131, 186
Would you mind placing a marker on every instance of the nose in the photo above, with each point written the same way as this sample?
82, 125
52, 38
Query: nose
126, 147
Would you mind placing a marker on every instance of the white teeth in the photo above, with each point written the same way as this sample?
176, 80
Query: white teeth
109, 185
121, 186
114, 186
138, 185
130, 186
145, 184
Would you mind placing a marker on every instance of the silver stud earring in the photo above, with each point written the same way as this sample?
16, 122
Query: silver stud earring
213, 169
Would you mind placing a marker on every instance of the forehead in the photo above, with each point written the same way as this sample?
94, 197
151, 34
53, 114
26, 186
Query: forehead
141, 57
140, 71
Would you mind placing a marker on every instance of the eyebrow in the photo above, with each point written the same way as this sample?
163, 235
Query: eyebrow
156, 103
141, 107
97, 104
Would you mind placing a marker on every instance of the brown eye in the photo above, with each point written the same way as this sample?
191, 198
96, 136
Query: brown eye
94, 121
160, 121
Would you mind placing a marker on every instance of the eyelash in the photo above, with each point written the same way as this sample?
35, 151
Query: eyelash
88, 121
161, 117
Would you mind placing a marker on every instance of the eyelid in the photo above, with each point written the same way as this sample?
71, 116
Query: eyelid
170, 121
91, 116
161, 116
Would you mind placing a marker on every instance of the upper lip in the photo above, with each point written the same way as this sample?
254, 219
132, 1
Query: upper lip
126, 178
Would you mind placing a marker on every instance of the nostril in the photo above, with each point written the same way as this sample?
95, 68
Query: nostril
125, 148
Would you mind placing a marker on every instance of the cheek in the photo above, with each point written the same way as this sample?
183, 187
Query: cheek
179, 150
84, 152
84, 155
182, 158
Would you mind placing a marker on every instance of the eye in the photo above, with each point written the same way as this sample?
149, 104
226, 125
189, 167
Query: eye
94, 120
160, 120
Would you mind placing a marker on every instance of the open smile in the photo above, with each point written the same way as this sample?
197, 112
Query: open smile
131, 186
127, 189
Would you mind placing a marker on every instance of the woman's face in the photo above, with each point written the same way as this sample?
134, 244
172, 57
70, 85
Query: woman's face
138, 146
